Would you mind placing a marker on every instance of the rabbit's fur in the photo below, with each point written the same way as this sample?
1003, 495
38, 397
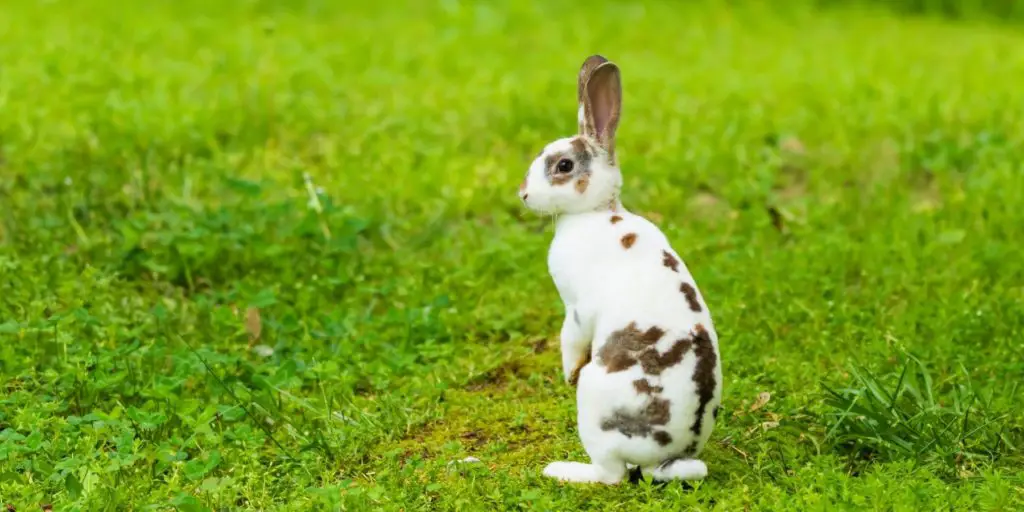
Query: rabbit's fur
637, 339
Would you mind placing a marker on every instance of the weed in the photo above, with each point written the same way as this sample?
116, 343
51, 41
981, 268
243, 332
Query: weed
910, 416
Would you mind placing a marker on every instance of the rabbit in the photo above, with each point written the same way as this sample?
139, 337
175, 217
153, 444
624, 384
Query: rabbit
637, 340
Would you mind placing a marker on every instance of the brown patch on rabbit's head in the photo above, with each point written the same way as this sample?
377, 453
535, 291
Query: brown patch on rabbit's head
581, 183
573, 161
628, 240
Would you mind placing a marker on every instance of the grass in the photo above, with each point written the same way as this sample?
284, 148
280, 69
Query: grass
266, 255
910, 422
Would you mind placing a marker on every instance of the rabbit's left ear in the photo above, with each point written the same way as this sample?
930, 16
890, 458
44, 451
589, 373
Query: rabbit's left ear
601, 104
586, 70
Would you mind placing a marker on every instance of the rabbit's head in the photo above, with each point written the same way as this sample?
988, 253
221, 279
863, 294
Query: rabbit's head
578, 174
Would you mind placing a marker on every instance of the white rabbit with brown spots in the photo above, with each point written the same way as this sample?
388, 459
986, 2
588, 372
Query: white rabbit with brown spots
637, 340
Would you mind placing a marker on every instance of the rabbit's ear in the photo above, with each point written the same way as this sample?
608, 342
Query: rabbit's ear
586, 70
602, 104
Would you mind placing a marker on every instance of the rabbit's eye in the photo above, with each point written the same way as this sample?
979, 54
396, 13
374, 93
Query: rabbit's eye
564, 165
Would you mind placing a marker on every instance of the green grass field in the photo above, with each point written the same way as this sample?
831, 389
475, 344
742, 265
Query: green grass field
266, 256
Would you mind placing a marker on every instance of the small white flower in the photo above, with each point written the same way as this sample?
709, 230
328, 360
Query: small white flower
467, 460
263, 350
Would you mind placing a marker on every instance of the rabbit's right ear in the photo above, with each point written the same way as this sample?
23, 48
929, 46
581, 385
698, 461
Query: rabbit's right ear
602, 104
589, 65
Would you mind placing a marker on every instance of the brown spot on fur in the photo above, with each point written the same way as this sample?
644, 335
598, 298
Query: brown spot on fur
617, 361
662, 438
670, 261
644, 387
640, 423
582, 183
691, 296
574, 377
657, 364
704, 374
648, 360
657, 411
628, 240
630, 346
620, 350
627, 424
615, 218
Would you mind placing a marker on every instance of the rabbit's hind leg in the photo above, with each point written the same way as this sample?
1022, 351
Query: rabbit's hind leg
608, 471
680, 469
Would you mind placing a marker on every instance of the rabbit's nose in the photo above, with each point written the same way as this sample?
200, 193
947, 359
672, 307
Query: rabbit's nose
522, 186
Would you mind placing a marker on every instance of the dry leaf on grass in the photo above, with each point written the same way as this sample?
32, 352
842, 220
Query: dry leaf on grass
253, 324
762, 399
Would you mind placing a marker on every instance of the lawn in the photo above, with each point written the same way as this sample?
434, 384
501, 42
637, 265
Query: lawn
268, 255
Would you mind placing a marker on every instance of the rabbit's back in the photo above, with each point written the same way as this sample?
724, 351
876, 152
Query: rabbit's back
654, 381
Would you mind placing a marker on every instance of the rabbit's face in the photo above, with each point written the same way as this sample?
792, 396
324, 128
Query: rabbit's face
579, 174
571, 175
